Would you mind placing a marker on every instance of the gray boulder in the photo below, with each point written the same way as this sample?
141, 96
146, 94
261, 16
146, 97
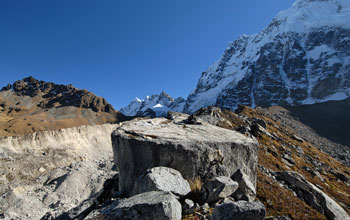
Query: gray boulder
196, 151
162, 179
155, 205
246, 190
241, 210
312, 195
219, 188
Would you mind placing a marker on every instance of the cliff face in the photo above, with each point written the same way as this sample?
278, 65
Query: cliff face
53, 171
302, 57
30, 105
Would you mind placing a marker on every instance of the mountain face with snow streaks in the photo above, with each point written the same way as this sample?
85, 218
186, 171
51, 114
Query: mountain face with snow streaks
302, 57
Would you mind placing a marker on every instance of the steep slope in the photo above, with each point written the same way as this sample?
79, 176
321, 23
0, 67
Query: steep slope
302, 57
325, 125
281, 151
155, 105
31, 105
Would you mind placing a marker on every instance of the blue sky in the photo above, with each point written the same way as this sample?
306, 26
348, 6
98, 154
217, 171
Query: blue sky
120, 49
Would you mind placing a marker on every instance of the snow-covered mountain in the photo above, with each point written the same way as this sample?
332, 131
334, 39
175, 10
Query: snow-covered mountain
155, 105
302, 57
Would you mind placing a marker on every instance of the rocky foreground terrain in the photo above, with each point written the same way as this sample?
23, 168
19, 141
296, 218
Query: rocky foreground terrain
214, 164
31, 105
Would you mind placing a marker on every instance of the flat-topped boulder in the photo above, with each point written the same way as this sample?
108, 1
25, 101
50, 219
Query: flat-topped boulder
196, 150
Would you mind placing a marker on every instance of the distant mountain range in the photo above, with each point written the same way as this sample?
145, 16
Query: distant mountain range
155, 105
302, 57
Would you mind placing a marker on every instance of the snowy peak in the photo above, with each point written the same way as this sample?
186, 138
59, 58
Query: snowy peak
302, 57
306, 14
154, 105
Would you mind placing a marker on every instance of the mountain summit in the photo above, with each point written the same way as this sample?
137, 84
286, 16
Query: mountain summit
30, 105
302, 57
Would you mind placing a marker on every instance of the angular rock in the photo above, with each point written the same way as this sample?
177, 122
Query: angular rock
313, 195
188, 206
196, 151
162, 179
246, 190
241, 210
219, 188
155, 205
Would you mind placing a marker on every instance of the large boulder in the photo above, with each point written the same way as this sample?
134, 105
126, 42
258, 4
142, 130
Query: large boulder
155, 205
162, 179
312, 195
196, 150
241, 210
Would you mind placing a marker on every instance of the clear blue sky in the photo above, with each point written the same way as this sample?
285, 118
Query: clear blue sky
120, 49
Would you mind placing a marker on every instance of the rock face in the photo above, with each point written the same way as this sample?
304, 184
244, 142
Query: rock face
302, 57
196, 151
153, 205
240, 210
312, 195
162, 179
155, 105
30, 105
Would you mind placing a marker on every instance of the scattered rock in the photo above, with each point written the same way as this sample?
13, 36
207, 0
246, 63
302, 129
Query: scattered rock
146, 206
246, 190
241, 210
162, 179
297, 138
313, 195
340, 176
219, 188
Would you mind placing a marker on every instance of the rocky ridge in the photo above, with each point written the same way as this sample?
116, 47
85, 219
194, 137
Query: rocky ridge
31, 105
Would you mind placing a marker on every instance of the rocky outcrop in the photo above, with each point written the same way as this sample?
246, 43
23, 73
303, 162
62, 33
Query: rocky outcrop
196, 151
312, 195
302, 57
154, 106
154, 205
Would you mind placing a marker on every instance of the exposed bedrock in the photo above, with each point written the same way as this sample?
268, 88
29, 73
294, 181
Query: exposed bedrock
196, 150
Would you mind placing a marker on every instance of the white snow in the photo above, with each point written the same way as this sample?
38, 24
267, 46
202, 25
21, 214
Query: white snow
306, 14
157, 106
